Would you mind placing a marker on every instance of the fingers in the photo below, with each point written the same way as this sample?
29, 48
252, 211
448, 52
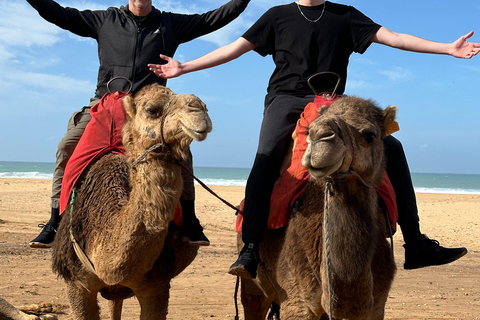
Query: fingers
157, 70
166, 58
468, 35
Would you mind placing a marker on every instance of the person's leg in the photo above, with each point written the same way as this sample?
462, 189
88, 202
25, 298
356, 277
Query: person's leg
420, 251
75, 128
280, 118
191, 228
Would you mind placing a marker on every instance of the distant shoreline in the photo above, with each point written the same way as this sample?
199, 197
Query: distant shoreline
229, 183
445, 183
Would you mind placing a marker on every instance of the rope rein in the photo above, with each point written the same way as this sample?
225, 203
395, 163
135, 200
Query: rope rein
206, 187
152, 148
326, 246
76, 247
326, 236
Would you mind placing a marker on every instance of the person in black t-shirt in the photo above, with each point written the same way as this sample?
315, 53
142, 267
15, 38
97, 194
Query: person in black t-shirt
305, 38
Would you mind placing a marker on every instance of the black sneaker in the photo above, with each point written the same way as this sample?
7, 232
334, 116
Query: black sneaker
194, 236
428, 252
246, 264
45, 238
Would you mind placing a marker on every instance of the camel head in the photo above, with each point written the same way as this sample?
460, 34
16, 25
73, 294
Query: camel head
348, 136
158, 115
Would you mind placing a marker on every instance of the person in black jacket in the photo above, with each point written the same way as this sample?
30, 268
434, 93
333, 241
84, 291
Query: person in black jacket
128, 39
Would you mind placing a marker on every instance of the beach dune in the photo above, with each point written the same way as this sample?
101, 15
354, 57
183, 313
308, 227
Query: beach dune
206, 291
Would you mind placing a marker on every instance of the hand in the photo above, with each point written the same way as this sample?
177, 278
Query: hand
464, 49
169, 70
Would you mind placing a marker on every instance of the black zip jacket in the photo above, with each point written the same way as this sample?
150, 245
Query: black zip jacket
126, 44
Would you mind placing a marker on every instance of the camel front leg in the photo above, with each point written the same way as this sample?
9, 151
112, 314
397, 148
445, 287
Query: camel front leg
292, 310
255, 304
83, 302
153, 300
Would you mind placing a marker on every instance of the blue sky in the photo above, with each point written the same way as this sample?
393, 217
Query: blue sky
47, 73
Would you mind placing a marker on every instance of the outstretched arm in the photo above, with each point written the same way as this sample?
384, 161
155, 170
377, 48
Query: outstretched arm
222, 55
461, 48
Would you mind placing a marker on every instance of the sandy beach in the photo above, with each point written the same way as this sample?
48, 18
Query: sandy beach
205, 291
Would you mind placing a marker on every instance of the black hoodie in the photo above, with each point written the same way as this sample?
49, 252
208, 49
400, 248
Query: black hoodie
126, 43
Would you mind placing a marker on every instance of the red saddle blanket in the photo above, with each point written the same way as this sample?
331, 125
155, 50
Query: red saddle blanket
103, 134
294, 178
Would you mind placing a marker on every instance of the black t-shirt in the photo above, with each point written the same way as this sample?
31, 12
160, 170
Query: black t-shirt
301, 48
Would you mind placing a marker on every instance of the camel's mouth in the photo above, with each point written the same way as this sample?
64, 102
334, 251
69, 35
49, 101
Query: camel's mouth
195, 134
319, 173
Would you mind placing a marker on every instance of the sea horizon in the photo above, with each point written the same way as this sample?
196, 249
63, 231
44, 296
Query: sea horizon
448, 183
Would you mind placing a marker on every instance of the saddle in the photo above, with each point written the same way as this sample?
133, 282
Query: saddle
293, 179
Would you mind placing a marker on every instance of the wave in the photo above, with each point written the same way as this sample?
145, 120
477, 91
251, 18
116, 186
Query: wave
243, 181
224, 182
447, 190
26, 175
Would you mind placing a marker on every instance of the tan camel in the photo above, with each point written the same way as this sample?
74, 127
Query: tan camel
341, 267
122, 216
9, 312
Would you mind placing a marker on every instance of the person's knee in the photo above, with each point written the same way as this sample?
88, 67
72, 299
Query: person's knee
66, 146
188, 192
393, 146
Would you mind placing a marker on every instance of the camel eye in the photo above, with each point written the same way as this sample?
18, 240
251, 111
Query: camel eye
152, 111
369, 136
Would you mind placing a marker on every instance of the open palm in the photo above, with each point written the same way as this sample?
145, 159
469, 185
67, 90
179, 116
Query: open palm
169, 70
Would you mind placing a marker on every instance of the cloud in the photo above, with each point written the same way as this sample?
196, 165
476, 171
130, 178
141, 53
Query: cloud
20, 25
398, 74
50, 82
221, 37
229, 33
363, 61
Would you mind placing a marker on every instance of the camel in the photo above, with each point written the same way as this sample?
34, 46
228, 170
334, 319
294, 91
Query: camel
332, 261
9, 312
122, 213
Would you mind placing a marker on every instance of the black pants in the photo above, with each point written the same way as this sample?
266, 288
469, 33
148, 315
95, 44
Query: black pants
280, 117
399, 174
279, 120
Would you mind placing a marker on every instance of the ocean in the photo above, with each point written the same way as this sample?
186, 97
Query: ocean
423, 182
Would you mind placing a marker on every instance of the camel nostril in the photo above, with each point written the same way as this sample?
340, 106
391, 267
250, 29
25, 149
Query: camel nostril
326, 137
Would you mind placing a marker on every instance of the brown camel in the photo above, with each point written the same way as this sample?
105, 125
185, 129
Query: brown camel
333, 259
9, 312
122, 214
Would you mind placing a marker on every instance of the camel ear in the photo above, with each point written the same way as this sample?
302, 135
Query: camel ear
129, 106
389, 115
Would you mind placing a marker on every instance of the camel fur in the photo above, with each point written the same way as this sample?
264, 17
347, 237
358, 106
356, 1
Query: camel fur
9, 312
298, 261
122, 215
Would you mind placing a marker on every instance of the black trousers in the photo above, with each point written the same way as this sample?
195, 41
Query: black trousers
279, 121
399, 174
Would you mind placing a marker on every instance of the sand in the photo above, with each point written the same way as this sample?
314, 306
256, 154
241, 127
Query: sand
205, 291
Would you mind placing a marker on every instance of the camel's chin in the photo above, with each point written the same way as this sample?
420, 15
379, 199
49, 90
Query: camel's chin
320, 173
195, 135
